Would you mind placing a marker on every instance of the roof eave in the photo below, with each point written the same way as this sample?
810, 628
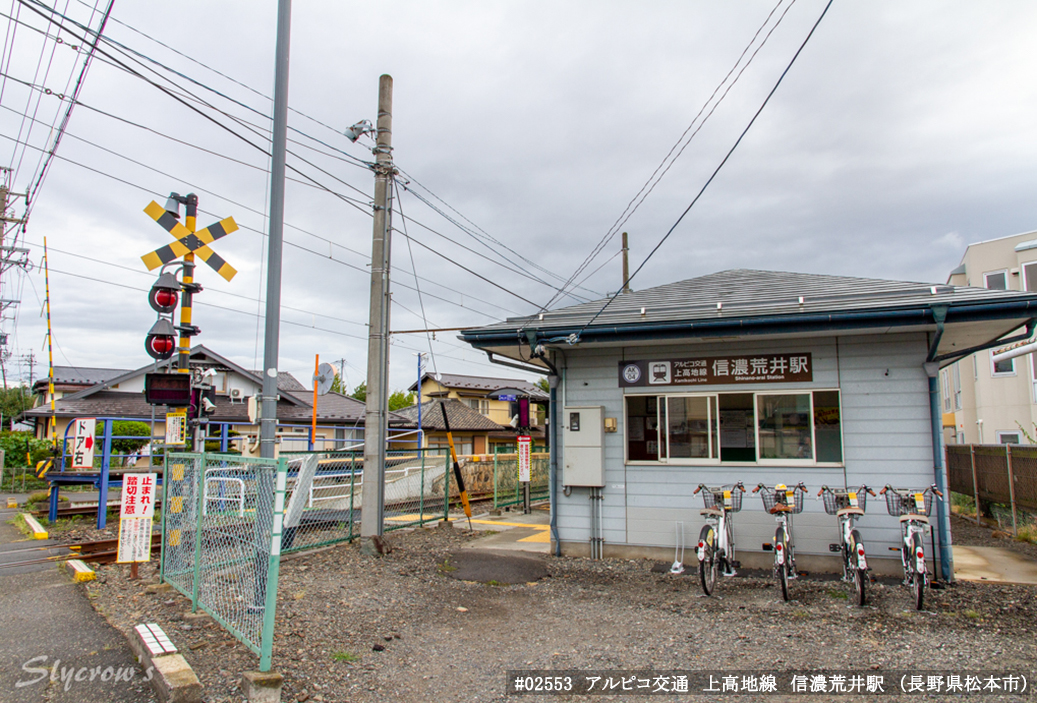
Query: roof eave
765, 324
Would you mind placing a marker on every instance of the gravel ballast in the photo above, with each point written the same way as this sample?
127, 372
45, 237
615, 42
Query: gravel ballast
402, 628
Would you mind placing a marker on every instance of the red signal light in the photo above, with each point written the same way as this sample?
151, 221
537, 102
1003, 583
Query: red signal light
165, 294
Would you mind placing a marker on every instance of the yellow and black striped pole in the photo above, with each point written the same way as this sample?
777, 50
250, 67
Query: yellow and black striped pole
52, 425
457, 467
190, 221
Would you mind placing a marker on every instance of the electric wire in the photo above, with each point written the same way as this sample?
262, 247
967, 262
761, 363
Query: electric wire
414, 268
186, 103
683, 141
290, 243
31, 199
25, 113
576, 336
200, 84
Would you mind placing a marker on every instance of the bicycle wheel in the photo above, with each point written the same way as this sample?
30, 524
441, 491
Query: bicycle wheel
709, 564
918, 579
860, 576
781, 546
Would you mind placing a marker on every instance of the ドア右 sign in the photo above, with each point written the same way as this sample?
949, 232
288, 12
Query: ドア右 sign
83, 443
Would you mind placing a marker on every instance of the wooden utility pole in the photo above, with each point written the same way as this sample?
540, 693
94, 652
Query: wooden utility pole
376, 417
626, 265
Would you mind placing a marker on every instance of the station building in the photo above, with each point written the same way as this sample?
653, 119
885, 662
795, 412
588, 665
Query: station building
752, 376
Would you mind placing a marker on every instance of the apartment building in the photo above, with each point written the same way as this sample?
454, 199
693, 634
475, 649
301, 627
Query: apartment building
986, 402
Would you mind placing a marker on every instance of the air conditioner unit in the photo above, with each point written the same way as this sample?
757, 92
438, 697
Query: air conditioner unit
235, 394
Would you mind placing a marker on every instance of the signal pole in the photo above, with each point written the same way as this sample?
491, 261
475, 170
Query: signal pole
376, 417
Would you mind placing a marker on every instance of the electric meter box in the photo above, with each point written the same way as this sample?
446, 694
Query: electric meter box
583, 446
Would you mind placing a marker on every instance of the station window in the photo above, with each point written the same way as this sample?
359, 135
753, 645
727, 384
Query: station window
766, 427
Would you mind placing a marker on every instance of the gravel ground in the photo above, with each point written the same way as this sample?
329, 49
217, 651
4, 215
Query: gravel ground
399, 628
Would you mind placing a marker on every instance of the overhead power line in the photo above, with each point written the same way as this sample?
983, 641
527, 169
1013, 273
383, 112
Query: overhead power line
716, 170
682, 142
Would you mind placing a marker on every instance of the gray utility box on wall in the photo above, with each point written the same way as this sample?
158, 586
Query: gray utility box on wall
584, 446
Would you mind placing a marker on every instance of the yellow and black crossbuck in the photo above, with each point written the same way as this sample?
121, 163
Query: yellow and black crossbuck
187, 242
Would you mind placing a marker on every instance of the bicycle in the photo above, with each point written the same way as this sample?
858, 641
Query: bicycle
913, 508
716, 547
783, 503
847, 505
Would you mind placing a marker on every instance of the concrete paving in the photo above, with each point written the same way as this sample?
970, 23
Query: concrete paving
993, 564
514, 531
50, 634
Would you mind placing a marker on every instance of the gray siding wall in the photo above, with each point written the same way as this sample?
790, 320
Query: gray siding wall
886, 439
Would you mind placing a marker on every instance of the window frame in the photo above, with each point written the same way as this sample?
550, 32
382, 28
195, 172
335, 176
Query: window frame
713, 413
1015, 433
813, 439
1001, 272
663, 416
994, 373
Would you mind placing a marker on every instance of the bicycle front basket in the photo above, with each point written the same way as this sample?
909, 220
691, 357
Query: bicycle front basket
836, 500
898, 504
729, 497
773, 497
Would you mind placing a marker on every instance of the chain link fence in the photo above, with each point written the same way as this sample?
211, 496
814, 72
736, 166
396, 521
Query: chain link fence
227, 519
222, 523
995, 474
498, 477
333, 486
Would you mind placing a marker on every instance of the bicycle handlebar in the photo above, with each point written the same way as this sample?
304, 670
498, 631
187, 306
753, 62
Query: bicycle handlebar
826, 488
710, 488
902, 491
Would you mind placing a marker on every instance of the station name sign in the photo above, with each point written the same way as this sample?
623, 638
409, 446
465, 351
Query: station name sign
716, 370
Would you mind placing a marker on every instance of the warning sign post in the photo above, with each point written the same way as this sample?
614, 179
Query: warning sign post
135, 518
525, 447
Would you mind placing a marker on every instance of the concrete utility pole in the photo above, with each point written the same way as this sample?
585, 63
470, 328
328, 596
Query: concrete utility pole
626, 265
268, 411
376, 418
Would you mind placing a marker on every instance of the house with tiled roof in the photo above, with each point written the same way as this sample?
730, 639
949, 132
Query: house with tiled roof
483, 394
340, 418
471, 430
71, 379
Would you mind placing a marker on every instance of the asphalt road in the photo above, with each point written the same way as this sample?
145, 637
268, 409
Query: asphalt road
50, 635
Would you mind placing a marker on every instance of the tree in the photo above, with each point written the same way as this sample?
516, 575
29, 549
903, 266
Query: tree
401, 399
13, 401
337, 386
543, 384
360, 392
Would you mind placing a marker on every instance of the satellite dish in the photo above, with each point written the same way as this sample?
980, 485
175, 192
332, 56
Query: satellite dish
324, 378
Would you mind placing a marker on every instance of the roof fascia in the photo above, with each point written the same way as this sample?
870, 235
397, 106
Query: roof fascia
770, 324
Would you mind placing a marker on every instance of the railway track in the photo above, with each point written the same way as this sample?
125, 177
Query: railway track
100, 551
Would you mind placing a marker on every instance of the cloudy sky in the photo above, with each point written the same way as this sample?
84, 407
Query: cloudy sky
903, 132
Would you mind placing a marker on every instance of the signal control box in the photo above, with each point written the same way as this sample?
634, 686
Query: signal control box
583, 446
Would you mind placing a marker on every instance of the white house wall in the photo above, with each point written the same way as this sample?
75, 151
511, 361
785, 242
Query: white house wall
886, 439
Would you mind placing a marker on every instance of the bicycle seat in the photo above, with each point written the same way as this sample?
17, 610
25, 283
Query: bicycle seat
849, 511
779, 508
711, 511
914, 518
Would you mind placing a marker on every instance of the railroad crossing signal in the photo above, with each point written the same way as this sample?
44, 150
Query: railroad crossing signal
188, 242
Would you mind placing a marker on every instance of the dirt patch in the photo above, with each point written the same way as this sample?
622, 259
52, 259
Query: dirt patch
967, 533
363, 629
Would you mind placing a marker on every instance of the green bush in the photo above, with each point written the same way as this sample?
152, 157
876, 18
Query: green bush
15, 445
125, 428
